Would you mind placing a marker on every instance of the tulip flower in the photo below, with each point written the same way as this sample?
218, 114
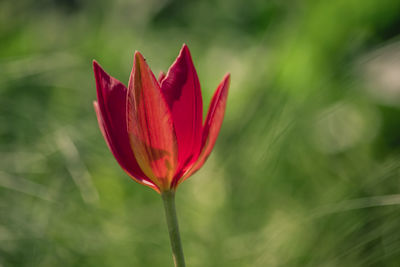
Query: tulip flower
155, 128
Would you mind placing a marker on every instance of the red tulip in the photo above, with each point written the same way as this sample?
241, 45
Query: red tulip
155, 128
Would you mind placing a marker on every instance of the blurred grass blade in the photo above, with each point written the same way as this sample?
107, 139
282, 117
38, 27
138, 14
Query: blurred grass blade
77, 168
24, 186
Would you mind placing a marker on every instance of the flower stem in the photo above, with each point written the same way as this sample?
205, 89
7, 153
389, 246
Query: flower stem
173, 228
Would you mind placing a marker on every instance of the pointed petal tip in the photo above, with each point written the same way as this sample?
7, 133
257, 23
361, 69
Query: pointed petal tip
98, 70
225, 82
227, 77
138, 59
138, 55
184, 50
96, 65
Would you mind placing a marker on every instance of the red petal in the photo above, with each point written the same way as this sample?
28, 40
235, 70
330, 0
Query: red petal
111, 115
150, 126
181, 89
212, 124
161, 77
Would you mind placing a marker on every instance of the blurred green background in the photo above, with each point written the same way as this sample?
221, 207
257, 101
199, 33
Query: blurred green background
306, 168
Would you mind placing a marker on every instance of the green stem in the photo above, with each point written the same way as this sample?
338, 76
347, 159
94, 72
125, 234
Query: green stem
173, 228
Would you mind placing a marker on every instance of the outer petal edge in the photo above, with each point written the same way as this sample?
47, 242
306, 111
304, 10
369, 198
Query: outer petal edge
150, 126
181, 88
111, 116
212, 125
107, 139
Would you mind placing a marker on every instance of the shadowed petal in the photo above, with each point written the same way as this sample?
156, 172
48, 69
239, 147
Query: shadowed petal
212, 125
111, 115
181, 89
150, 126
161, 77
